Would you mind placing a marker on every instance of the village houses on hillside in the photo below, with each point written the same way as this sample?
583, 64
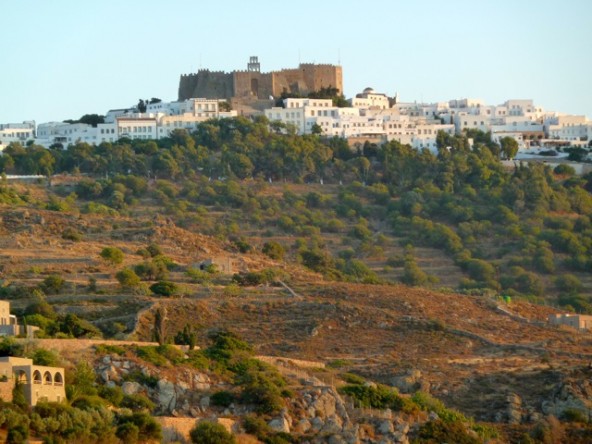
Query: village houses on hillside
372, 116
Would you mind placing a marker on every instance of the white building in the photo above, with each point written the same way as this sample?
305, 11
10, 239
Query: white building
569, 128
369, 99
65, 133
16, 132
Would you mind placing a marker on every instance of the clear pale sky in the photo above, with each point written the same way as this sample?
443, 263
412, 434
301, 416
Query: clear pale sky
61, 59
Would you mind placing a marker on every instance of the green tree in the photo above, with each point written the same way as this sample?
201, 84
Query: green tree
568, 283
207, 432
164, 288
127, 278
274, 250
508, 147
52, 284
112, 255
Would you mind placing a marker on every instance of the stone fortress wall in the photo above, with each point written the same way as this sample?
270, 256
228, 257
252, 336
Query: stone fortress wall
255, 85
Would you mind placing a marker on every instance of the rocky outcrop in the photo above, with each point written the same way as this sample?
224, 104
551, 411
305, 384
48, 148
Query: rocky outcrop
573, 397
410, 382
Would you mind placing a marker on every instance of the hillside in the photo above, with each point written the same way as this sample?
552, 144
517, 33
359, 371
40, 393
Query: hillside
150, 247
476, 353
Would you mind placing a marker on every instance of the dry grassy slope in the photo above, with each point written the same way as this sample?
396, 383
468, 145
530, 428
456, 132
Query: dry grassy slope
471, 354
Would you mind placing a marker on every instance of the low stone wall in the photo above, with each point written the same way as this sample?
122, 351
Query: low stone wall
276, 360
75, 345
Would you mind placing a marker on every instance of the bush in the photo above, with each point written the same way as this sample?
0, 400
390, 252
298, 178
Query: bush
52, 284
45, 357
223, 398
253, 278
568, 283
207, 432
413, 275
89, 402
352, 378
71, 234
160, 355
164, 288
436, 432
564, 170
127, 278
137, 402
148, 428
198, 276
128, 432
262, 390
379, 397
112, 255
274, 250
151, 270
225, 344
113, 395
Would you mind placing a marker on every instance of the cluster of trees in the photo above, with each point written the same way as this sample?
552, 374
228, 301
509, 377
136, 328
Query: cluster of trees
499, 226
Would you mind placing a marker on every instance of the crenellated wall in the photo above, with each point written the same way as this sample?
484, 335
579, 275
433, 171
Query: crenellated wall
308, 77
206, 84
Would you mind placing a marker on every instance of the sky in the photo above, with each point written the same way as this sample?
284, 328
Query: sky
61, 59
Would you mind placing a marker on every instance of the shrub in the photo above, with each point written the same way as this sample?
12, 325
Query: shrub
151, 270
128, 432
45, 357
41, 307
207, 432
225, 344
352, 378
148, 428
223, 398
127, 278
52, 284
568, 283
338, 363
160, 355
274, 250
164, 288
257, 426
112, 255
379, 397
574, 415
71, 234
137, 402
89, 402
436, 432
262, 390
412, 274
198, 276
113, 395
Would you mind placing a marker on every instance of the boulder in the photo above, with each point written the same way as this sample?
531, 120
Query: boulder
303, 426
385, 427
167, 396
131, 387
409, 382
279, 424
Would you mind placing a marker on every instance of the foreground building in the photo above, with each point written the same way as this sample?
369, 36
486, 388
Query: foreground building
39, 382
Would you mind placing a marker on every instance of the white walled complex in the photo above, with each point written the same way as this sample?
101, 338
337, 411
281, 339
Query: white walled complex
371, 116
